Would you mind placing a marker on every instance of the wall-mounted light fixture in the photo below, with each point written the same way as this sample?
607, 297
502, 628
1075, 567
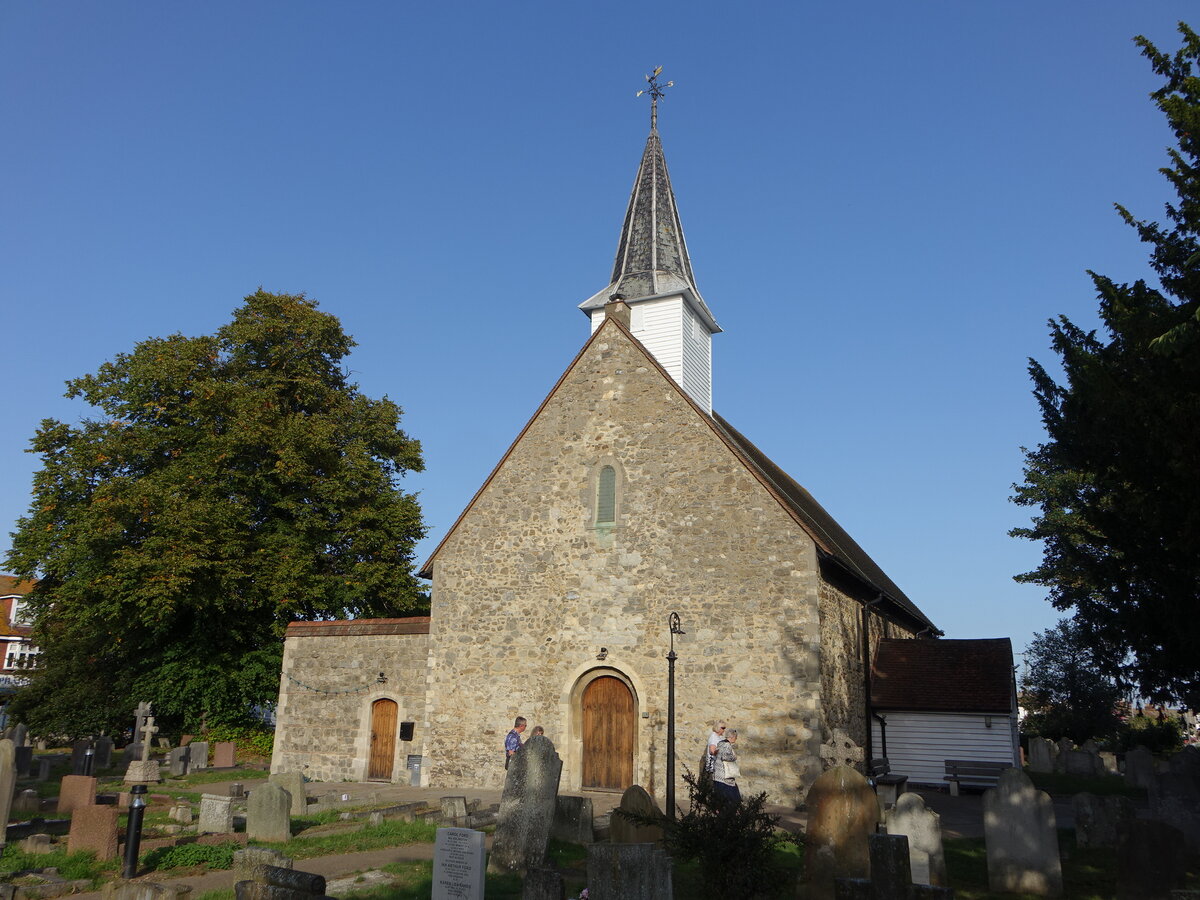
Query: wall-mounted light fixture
382, 679
603, 654
987, 721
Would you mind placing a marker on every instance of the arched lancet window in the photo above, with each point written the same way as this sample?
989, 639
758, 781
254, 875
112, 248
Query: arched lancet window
606, 496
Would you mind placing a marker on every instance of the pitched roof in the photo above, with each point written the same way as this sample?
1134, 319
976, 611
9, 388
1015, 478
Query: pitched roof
652, 256
10, 585
832, 540
943, 676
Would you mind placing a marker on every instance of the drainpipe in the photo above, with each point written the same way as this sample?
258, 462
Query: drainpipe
882, 720
866, 658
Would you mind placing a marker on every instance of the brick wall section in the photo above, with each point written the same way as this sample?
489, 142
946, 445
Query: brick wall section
526, 592
328, 684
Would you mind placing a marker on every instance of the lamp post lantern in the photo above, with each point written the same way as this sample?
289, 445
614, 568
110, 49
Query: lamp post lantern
673, 622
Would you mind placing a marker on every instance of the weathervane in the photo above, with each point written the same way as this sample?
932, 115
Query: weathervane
656, 92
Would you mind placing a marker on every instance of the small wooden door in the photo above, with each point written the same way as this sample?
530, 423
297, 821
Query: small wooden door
383, 740
608, 735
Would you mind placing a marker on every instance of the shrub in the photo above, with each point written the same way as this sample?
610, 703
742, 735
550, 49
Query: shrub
216, 856
252, 741
735, 844
1156, 735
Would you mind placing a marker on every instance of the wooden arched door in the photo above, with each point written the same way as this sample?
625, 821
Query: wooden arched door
609, 727
383, 740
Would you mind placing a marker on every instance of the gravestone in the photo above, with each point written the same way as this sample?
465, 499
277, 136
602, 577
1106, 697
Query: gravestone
8, 781
216, 814
1081, 762
37, 845
144, 770
224, 755
199, 755
1090, 746
140, 715
1100, 820
1108, 761
181, 812
275, 883
293, 783
268, 814
1065, 746
249, 859
131, 753
923, 828
80, 757
573, 820
458, 872
526, 807
623, 831
27, 801
76, 791
890, 872
94, 828
1022, 843
104, 750
543, 884
454, 810
842, 811
1041, 754
23, 759
177, 761
20, 735
1151, 860
1139, 767
43, 765
628, 872
1175, 799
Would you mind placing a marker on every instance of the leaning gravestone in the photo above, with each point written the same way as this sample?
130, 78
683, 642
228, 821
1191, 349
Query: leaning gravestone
293, 783
923, 828
1099, 820
1022, 843
1139, 767
624, 831
268, 814
458, 872
216, 815
842, 811
94, 828
8, 781
628, 872
526, 807
1041, 754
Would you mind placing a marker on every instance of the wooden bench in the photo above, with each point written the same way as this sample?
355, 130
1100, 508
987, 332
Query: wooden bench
973, 772
888, 787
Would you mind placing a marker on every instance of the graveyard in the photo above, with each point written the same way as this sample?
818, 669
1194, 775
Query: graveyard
1072, 824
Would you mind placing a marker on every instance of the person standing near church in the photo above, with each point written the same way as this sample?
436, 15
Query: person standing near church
512, 741
710, 751
725, 769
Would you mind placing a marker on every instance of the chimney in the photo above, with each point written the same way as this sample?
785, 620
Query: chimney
617, 308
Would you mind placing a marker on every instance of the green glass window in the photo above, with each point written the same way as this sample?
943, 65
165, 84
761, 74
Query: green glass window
606, 496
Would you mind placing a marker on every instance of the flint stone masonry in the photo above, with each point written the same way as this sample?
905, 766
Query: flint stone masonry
1022, 843
324, 717
842, 811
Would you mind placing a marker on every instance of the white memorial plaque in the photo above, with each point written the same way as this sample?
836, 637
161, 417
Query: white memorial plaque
458, 864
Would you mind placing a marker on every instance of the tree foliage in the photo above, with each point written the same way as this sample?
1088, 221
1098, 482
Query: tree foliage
1063, 691
1115, 482
229, 484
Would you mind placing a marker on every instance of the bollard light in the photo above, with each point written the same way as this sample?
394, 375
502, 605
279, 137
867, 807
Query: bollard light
133, 834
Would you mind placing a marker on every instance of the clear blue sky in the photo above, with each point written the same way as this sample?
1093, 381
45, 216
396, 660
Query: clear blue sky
884, 204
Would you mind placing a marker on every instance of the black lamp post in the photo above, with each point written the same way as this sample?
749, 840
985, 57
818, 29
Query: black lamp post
133, 834
673, 621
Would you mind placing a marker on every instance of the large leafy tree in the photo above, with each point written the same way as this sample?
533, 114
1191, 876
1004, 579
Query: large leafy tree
1116, 481
1063, 691
229, 484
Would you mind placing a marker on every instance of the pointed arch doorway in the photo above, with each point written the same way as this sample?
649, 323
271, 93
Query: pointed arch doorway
382, 755
609, 734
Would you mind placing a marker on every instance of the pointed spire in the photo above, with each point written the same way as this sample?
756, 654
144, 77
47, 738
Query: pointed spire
652, 256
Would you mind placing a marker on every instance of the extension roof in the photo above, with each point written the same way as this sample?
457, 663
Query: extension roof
943, 676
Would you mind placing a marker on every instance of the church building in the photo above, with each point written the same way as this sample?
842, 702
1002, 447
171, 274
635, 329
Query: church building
625, 498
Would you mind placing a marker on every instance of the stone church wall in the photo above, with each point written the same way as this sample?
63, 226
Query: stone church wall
531, 598
843, 682
330, 681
